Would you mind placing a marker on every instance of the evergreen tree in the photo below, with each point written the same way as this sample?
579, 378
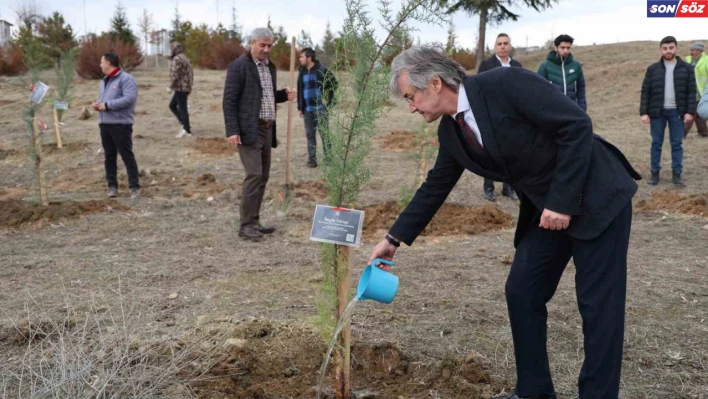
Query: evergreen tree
56, 37
176, 25
328, 47
120, 27
304, 40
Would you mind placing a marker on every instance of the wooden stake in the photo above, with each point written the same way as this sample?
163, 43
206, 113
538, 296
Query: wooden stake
56, 127
40, 165
344, 276
290, 118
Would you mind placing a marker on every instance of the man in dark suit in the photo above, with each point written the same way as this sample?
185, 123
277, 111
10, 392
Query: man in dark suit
501, 59
575, 188
249, 114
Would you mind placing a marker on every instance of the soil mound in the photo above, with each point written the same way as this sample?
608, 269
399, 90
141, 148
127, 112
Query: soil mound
310, 190
67, 148
401, 140
16, 213
451, 219
264, 360
214, 146
696, 204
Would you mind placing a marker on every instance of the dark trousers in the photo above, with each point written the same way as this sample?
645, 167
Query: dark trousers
676, 130
313, 123
601, 285
489, 186
256, 161
178, 106
117, 139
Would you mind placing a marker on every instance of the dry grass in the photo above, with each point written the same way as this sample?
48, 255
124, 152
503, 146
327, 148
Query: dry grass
451, 300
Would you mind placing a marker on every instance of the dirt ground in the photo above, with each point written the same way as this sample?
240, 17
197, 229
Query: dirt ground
446, 335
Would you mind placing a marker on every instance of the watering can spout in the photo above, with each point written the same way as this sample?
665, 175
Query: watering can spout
377, 284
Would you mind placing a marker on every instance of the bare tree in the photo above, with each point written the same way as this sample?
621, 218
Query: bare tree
145, 26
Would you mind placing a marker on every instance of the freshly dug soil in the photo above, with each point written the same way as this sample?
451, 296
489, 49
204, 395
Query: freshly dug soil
282, 361
401, 140
696, 204
213, 146
15, 213
67, 148
310, 190
451, 219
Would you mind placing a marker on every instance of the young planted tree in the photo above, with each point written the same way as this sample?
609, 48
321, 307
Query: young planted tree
492, 11
65, 76
35, 61
359, 103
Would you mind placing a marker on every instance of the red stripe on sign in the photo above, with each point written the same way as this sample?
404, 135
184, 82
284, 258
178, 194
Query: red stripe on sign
692, 9
341, 209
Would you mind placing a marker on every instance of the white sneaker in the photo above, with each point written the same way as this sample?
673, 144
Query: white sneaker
183, 133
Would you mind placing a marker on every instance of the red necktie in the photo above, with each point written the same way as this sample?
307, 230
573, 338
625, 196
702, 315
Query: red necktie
468, 133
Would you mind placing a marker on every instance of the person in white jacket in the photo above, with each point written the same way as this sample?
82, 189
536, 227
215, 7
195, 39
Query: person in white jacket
703, 105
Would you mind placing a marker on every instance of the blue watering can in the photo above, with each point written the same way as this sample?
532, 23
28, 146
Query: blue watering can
376, 284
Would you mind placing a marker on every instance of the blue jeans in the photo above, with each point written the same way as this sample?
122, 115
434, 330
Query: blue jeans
658, 126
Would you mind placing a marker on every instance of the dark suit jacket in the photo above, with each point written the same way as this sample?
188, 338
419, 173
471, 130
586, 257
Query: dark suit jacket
492, 62
544, 146
242, 99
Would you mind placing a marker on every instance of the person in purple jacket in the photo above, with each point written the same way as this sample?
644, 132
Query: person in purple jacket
116, 111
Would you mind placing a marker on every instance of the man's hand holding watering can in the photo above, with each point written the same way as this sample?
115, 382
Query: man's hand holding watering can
385, 250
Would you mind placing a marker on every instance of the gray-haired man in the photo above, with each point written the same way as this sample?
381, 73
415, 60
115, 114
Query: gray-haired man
249, 114
575, 191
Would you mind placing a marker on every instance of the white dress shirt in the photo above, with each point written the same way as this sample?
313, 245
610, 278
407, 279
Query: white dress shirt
463, 105
508, 64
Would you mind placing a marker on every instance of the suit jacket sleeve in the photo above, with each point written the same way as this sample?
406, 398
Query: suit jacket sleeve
281, 96
646, 93
428, 199
559, 117
483, 67
233, 91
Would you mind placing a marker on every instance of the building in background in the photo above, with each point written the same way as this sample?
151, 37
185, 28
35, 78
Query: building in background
159, 43
5, 33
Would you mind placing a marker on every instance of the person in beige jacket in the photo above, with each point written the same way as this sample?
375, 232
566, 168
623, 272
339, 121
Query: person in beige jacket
181, 78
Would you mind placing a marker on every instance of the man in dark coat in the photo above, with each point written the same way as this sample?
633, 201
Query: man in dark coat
501, 59
249, 114
575, 192
668, 96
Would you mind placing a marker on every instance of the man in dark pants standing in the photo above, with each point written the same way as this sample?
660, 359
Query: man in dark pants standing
249, 115
181, 79
575, 192
116, 110
316, 86
668, 96
501, 59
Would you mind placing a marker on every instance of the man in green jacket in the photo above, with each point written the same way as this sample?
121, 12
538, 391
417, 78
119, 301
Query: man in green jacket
700, 68
564, 72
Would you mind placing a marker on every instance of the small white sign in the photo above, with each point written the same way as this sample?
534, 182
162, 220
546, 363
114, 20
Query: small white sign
61, 105
337, 225
40, 89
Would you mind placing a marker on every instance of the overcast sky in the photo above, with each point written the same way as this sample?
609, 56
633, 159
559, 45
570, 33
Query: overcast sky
588, 21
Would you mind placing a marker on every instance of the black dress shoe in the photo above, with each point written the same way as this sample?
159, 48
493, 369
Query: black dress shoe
264, 229
513, 395
489, 195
